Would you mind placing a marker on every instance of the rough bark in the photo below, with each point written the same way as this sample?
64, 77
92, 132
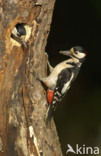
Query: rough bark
23, 103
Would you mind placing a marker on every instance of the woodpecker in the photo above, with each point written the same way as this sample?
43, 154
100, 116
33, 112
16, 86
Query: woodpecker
19, 33
61, 77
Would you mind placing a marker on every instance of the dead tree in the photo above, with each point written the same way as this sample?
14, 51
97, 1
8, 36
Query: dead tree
23, 103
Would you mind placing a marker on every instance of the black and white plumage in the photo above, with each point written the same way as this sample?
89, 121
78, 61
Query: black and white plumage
19, 33
62, 76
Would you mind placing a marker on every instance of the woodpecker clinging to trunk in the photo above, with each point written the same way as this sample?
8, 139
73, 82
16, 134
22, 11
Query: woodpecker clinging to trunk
19, 33
62, 76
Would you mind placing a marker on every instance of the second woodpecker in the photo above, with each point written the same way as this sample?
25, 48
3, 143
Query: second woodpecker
19, 33
61, 77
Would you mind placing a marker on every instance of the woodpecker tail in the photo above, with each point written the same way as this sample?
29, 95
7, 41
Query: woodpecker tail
49, 114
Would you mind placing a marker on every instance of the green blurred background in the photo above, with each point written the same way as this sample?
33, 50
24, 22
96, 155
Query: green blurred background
78, 119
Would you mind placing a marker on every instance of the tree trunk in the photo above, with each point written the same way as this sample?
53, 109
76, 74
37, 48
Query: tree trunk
23, 102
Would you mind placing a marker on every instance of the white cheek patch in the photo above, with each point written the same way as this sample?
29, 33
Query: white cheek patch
79, 55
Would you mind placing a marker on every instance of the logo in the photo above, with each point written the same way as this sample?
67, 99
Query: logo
82, 149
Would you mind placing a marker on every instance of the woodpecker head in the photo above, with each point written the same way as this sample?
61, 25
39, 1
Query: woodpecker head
19, 33
77, 52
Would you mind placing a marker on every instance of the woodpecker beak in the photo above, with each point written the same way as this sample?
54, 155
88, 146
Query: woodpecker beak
67, 52
23, 42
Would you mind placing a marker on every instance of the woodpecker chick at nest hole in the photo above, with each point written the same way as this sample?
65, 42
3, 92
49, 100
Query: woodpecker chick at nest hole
19, 33
61, 77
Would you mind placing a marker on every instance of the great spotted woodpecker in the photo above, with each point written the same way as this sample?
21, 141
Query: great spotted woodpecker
18, 33
62, 76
